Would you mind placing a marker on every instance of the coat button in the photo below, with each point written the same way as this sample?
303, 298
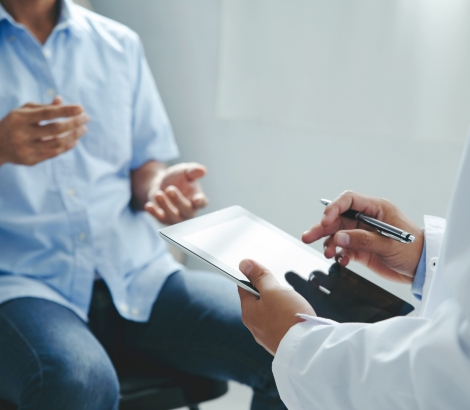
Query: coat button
433, 264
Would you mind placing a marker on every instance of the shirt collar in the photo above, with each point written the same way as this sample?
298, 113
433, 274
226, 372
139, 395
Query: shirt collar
66, 12
4, 15
65, 17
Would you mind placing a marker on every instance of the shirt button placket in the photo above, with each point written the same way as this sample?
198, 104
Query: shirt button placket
51, 92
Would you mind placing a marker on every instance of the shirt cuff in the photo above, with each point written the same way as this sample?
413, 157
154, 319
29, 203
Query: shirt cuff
316, 321
420, 276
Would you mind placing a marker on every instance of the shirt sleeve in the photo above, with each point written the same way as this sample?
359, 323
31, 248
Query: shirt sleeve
420, 276
153, 137
434, 229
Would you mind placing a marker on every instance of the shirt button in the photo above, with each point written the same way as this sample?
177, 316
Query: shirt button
82, 236
135, 312
433, 264
124, 308
47, 53
70, 192
50, 92
11, 39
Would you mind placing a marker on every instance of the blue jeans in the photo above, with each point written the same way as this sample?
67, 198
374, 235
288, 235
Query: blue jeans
51, 359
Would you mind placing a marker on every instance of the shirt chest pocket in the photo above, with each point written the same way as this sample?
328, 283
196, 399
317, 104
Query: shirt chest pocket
109, 135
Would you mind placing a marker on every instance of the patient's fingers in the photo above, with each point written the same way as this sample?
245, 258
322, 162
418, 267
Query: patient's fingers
180, 202
199, 200
156, 212
172, 213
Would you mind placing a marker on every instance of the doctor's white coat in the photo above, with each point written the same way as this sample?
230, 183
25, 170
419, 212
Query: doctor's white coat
403, 363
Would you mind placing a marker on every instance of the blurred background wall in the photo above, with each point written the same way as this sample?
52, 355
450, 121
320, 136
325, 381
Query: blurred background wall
290, 101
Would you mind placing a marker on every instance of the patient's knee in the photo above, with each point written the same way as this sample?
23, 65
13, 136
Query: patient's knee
75, 381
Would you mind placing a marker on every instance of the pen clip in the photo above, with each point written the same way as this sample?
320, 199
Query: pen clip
389, 235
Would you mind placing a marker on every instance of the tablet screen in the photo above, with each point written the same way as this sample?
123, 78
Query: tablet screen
242, 237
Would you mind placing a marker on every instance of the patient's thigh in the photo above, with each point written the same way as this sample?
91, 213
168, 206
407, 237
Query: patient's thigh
50, 359
196, 327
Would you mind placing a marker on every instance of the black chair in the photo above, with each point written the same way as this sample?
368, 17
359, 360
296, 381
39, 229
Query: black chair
163, 392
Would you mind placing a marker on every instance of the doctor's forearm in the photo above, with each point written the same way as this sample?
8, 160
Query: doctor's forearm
396, 364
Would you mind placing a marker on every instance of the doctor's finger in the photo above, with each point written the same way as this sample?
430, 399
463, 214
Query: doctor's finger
351, 200
319, 231
246, 298
343, 256
329, 247
362, 240
260, 277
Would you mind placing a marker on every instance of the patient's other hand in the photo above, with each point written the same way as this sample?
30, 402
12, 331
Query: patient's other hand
24, 141
176, 194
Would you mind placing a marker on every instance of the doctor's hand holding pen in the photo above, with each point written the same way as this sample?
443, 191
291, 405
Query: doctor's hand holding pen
350, 239
270, 316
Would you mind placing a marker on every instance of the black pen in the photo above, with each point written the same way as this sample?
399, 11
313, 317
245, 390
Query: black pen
382, 228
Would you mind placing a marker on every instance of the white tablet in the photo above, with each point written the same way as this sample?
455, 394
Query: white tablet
223, 238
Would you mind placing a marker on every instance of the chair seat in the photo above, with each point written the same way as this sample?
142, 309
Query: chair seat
131, 384
162, 392
6, 406
165, 393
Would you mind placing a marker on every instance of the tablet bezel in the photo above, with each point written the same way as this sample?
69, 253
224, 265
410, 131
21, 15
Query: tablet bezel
175, 235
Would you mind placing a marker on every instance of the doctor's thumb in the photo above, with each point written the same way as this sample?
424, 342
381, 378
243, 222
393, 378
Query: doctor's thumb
260, 277
361, 240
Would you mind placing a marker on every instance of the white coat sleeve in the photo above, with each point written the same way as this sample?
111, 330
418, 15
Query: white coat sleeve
401, 363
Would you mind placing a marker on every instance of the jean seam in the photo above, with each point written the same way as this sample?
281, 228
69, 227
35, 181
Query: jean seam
25, 340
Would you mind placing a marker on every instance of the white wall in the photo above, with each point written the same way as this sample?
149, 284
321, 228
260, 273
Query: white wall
378, 68
277, 172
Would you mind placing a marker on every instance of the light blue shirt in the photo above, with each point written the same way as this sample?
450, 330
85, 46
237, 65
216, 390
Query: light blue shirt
69, 217
420, 276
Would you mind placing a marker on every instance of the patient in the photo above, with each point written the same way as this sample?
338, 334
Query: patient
76, 173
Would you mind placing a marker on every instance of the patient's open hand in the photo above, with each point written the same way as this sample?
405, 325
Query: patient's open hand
175, 194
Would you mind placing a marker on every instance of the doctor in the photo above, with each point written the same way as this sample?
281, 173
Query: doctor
418, 362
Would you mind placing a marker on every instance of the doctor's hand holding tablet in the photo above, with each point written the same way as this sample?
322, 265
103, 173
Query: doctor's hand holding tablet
270, 316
